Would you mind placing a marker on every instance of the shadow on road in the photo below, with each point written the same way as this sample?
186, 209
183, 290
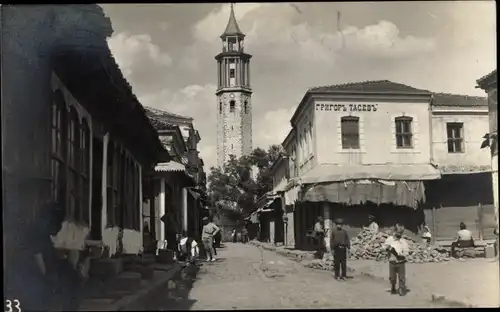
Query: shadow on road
176, 299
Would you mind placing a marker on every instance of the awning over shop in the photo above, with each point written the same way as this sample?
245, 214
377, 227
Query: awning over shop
464, 169
253, 217
171, 166
392, 172
292, 195
267, 203
400, 193
266, 210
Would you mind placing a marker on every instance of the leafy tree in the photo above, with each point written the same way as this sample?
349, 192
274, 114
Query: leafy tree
232, 189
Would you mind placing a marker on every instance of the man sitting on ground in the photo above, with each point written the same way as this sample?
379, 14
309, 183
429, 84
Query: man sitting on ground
464, 239
188, 249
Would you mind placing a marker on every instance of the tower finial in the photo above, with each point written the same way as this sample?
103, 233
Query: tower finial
232, 27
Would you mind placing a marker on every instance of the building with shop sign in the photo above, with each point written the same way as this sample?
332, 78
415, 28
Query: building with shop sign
375, 147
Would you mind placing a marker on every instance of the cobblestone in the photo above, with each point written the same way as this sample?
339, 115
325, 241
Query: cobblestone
246, 277
473, 282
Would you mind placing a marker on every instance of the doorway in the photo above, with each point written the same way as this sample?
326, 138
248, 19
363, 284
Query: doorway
96, 210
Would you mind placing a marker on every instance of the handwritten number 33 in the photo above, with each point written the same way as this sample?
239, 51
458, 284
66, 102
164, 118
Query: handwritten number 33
12, 306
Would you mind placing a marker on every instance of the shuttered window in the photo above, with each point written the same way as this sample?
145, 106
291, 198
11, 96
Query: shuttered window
350, 132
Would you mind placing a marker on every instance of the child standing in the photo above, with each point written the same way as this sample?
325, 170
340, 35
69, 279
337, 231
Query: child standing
398, 250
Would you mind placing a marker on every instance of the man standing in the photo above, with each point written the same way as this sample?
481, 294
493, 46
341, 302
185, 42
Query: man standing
398, 250
319, 237
207, 236
340, 245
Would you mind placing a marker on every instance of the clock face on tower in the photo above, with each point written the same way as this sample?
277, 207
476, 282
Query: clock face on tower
231, 95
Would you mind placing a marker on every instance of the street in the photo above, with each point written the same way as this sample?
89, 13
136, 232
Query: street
239, 280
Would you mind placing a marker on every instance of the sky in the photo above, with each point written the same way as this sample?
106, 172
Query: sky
166, 52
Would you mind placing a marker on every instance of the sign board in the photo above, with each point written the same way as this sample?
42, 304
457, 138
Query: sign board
347, 107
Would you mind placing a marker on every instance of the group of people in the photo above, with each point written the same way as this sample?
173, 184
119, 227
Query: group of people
395, 246
240, 235
188, 249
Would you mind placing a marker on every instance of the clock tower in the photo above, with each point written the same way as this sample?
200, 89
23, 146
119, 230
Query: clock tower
234, 108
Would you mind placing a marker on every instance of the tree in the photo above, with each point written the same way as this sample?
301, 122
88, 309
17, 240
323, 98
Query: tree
232, 189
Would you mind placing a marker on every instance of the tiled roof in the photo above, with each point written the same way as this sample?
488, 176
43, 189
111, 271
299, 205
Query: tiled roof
232, 27
159, 124
158, 113
487, 76
448, 99
369, 86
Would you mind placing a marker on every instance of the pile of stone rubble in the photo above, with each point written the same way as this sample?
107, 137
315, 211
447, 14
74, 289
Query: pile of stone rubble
370, 247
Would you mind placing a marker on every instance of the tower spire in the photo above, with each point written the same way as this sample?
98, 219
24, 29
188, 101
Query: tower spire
232, 27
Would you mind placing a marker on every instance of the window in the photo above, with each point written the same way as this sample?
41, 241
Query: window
455, 133
85, 170
74, 210
246, 107
58, 147
70, 160
349, 127
114, 177
220, 107
403, 132
232, 73
232, 106
310, 138
306, 141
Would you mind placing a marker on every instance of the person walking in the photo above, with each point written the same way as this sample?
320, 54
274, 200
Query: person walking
207, 236
340, 245
319, 237
398, 250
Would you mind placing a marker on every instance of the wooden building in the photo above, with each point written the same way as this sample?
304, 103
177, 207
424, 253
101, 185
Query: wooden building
73, 132
178, 197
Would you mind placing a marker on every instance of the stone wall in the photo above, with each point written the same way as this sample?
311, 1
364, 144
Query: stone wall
234, 128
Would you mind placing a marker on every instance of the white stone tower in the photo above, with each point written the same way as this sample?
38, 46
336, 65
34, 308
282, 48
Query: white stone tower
234, 108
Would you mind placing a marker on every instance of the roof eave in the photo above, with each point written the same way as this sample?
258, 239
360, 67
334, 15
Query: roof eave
487, 81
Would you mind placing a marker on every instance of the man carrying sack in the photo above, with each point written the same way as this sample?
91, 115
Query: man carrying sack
340, 245
398, 250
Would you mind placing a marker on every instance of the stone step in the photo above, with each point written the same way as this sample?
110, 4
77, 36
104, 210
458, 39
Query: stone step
162, 267
165, 256
106, 267
145, 271
126, 281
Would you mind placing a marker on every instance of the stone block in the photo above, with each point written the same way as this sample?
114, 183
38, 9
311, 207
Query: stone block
105, 267
127, 281
147, 272
165, 256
